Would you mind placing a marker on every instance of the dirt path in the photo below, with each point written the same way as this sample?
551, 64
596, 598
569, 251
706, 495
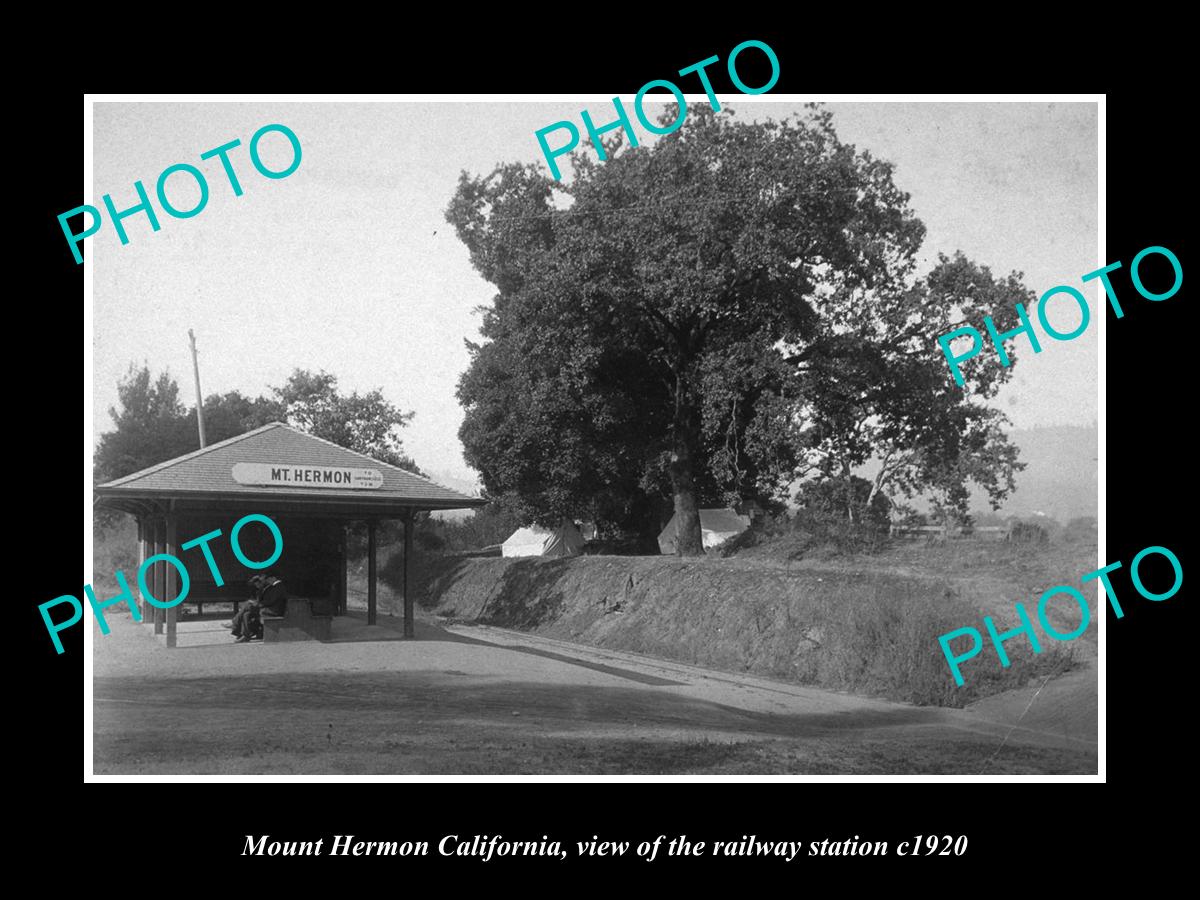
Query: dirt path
477, 700
1063, 714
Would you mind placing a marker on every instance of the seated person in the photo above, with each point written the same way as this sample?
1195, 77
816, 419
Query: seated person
246, 623
269, 597
272, 598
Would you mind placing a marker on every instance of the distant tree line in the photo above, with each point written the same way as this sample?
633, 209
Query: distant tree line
486, 527
151, 425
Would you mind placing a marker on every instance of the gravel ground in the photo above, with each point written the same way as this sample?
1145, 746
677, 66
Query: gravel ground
476, 700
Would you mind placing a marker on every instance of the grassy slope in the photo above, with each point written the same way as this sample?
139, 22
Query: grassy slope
990, 575
867, 624
864, 624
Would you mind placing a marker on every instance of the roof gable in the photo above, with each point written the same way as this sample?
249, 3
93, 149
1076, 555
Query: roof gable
210, 471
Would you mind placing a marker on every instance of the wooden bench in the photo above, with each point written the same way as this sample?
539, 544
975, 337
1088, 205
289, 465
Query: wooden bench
298, 623
199, 594
214, 594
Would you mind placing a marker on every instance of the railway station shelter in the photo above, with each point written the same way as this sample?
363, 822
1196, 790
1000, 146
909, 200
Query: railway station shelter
310, 488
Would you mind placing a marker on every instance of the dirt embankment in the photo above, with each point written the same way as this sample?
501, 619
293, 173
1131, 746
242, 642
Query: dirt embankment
866, 631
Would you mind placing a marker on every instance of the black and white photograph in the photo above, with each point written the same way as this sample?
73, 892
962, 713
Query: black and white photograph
717, 434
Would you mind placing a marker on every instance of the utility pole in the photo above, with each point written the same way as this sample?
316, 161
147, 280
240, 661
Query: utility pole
199, 400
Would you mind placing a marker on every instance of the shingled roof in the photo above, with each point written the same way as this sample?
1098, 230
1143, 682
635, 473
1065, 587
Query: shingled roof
209, 473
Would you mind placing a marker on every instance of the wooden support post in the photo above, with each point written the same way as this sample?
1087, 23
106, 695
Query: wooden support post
143, 542
158, 578
408, 598
173, 587
371, 572
343, 586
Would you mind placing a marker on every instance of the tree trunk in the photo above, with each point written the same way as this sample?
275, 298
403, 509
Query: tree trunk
688, 538
849, 479
880, 475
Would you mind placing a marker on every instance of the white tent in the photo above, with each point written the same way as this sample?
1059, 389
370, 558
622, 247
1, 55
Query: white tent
534, 540
716, 525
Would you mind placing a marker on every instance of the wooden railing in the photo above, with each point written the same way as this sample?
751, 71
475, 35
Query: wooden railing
994, 532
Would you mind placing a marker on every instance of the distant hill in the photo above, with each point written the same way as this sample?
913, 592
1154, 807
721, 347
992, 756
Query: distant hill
1060, 477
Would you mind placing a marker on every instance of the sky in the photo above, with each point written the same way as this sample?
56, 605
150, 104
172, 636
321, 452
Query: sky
348, 264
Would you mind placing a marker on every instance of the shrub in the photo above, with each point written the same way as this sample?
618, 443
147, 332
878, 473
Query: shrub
1029, 533
114, 549
821, 527
486, 527
835, 501
840, 517
623, 545
765, 529
428, 540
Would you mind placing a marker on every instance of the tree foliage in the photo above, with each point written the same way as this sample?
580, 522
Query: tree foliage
828, 499
366, 423
486, 527
872, 388
712, 317
673, 267
151, 425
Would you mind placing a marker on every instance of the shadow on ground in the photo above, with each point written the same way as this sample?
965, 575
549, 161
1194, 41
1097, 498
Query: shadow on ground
452, 722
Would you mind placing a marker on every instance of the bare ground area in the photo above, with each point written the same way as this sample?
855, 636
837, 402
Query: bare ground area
480, 700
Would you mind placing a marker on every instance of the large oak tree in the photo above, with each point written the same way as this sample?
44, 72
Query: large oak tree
721, 242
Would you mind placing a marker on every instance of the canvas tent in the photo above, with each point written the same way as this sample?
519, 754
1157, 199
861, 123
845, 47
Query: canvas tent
533, 540
716, 525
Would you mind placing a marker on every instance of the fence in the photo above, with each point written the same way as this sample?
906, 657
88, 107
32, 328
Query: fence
916, 532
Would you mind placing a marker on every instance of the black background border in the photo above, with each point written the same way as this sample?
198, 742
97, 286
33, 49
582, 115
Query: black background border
1146, 407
